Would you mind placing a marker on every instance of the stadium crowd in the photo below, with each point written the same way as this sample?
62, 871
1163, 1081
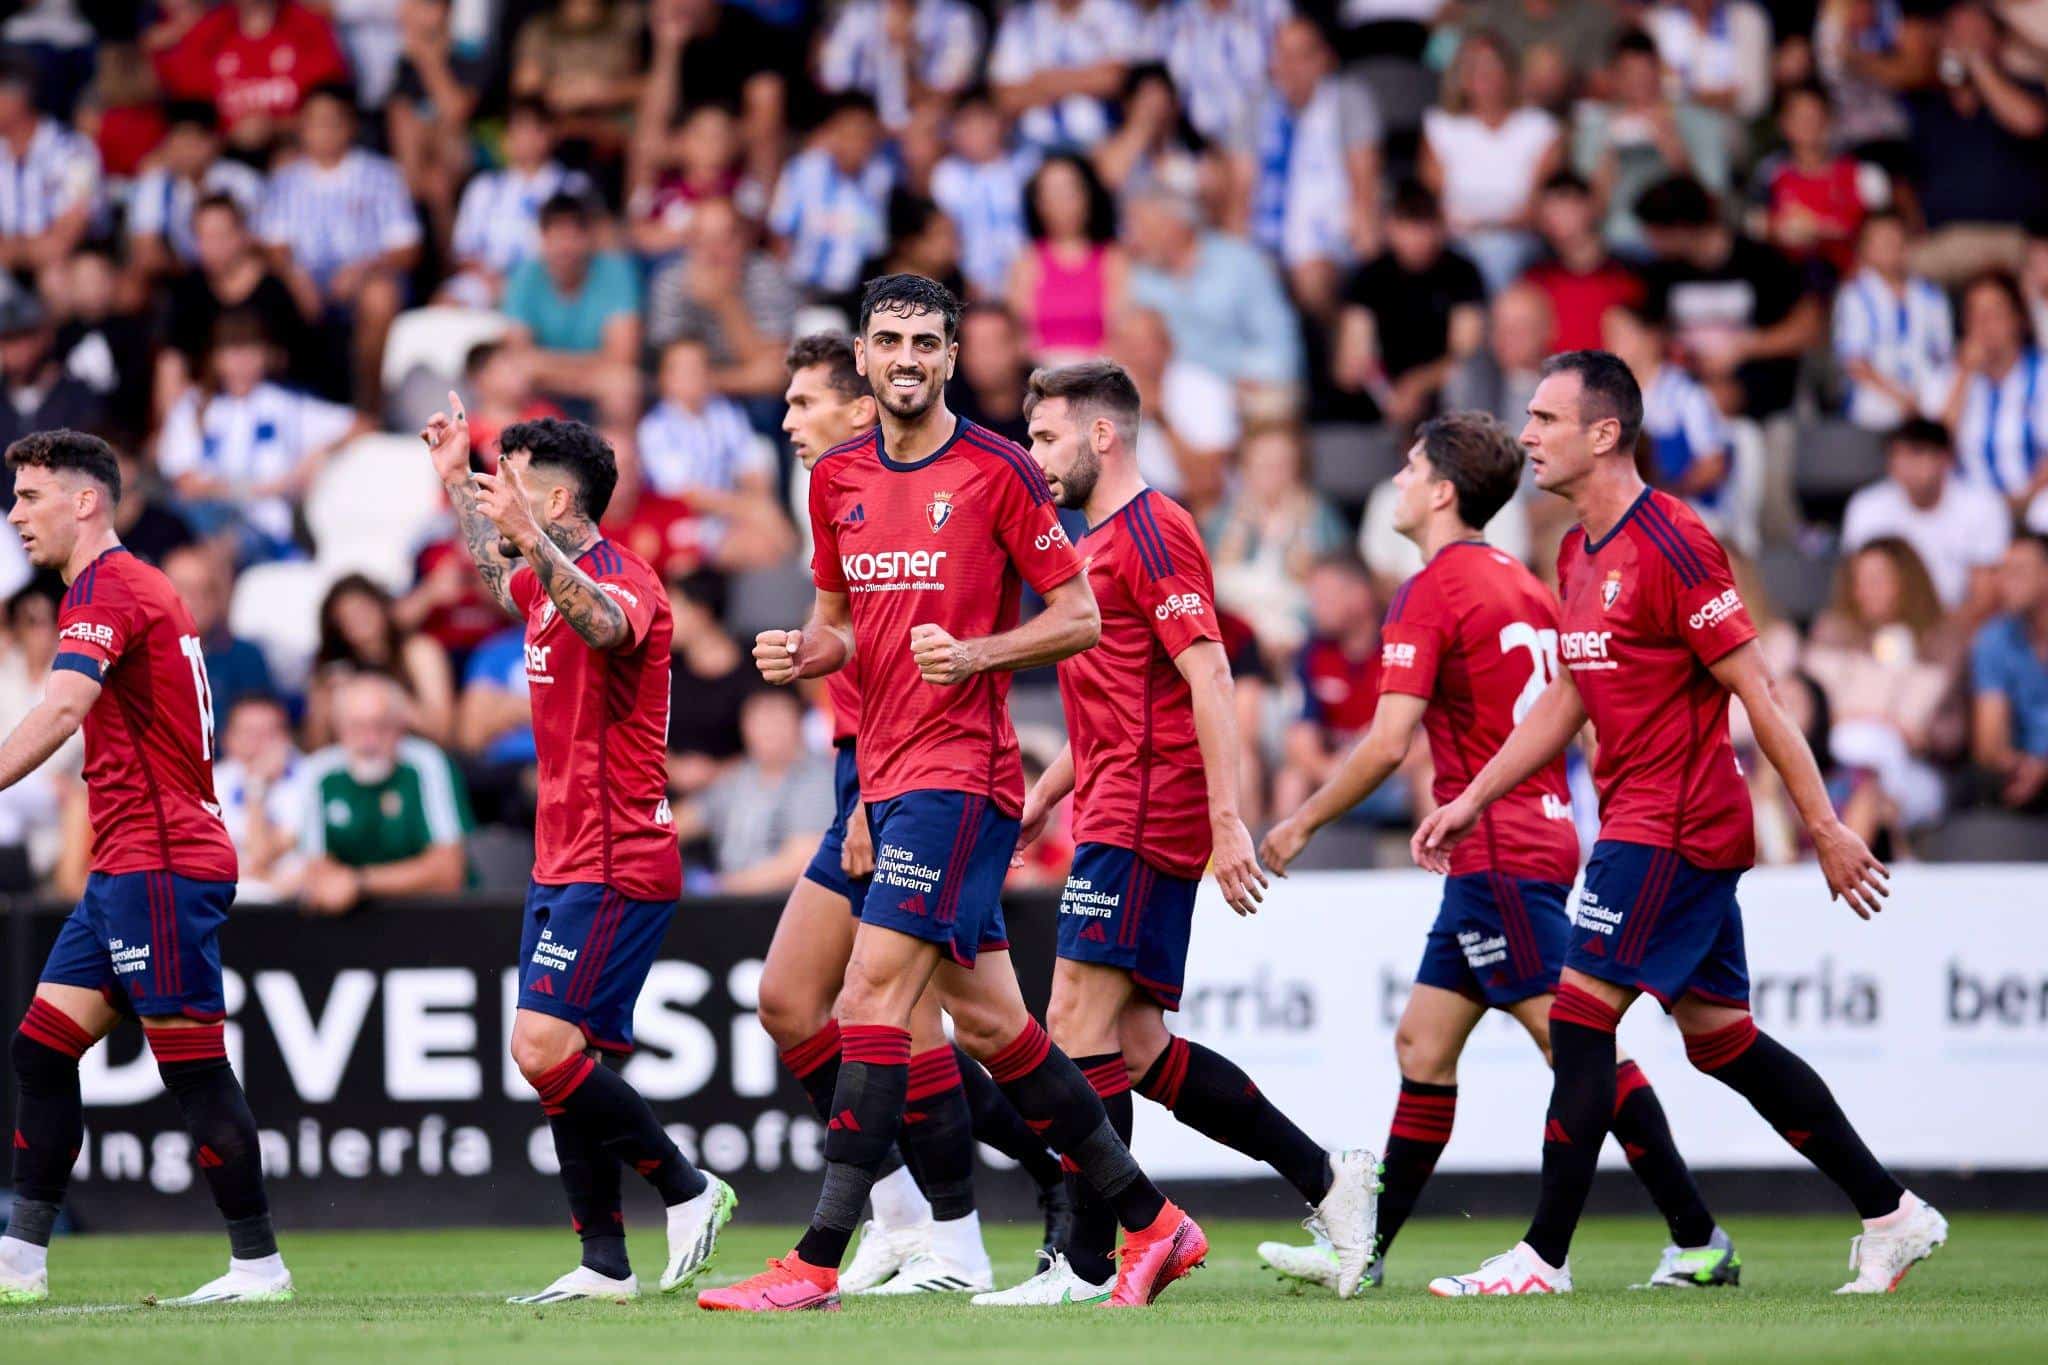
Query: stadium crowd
254, 243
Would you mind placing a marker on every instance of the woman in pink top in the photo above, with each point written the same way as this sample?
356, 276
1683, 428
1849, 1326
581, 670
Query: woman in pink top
1069, 281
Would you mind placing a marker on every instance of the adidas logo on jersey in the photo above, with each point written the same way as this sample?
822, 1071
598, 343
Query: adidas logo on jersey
858, 515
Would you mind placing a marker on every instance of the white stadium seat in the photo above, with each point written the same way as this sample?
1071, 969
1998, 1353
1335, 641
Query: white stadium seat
437, 339
373, 506
278, 607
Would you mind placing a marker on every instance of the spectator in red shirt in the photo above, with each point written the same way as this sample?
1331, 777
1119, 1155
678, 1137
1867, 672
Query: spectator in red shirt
1339, 670
1579, 278
255, 59
1809, 201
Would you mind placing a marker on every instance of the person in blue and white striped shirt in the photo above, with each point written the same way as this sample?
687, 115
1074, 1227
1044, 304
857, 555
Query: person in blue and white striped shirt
831, 206
343, 216
498, 223
1994, 398
49, 179
897, 50
1057, 63
695, 440
189, 168
1893, 331
1220, 53
980, 185
1690, 446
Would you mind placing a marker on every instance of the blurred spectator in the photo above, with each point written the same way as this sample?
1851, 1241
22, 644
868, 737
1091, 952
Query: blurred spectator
1579, 277
260, 781
149, 527
1869, 53
1810, 198
1738, 312
1717, 51
1484, 155
1190, 415
61, 43
1549, 35
2009, 675
763, 816
494, 729
897, 52
1220, 55
386, 813
1957, 528
675, 172
831, 204
1893, 330
230, 273
1411, 315
497, 228
1976, 139
432, 98
1501, 376
579, 307
100, 339
256, 60
725, 55
583, 59
344, 217
1689, 445
38, 393
980, 185
1155, 147
1995, 396
2034, 275
186, 170
241, 450
31, 811
498, 391
1069, 280
371, 37
1889, 669
695, 441
1222, 301
1338, 669
49, 178
235, 668
122, 111
922, 241
1268, 534
727, 293
711, 678
1637, 135
360, 634
988, 384
1308, 166
1055, 64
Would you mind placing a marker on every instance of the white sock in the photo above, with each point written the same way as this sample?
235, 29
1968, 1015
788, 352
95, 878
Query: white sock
268, 1267
899, 1203
23, 1257
958, 1240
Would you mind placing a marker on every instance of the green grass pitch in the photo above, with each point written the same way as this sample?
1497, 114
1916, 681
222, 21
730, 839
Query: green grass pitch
398, 1298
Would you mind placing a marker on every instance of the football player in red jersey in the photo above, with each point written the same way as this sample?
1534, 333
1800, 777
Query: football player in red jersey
606, 870
914, 1244
143, 940
1467, 646
926, 530
1152, 762
1654, 640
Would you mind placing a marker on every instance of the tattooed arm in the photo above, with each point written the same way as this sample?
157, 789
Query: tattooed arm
502, 504
448, 443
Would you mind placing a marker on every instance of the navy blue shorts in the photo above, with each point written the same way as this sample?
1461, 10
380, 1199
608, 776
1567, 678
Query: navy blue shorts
148, 941
1121, 911
1497, 939
584, 953
940, 861
1647, 918
825, 869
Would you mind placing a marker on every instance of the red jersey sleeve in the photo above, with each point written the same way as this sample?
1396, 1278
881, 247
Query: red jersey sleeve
1707, 610
523, 587
92, 632
1411, 639
826, 572
1028, 526
616, 579
1179, 591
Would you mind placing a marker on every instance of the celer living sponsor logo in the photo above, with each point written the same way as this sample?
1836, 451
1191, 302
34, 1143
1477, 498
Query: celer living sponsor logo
615, 590
896, 865
89, 632
1055, 534
893, 570
1081, 898
1397, 654
1713, 613
1586, 649
1179, 604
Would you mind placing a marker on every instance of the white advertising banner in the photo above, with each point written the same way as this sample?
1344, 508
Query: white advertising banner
1930, 1023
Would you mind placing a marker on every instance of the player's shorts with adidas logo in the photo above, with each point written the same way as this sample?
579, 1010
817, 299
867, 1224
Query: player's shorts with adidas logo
148, 941
584, 953
1498, 939
1120, 911
1647, 918
824, 868
940, 861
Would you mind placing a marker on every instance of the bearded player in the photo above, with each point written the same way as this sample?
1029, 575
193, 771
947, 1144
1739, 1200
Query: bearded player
1654, 639
921, 1240
926, 530
1467, 645
1152, 763
144, 938
606, 870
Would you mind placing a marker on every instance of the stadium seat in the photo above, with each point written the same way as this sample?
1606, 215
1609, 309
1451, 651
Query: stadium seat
819, 317
1835, 458
502, 859
1798, 583
1347, 460
1988, 836
371, 508
438, 340
768, 599
278, 607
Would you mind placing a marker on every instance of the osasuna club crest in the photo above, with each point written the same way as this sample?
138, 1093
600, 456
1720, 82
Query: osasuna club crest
1610, 590
939, 510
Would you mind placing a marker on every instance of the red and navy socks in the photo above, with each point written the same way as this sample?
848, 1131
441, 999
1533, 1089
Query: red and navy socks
997, 1123
1582, 1052
1640, 1127
1208, 1093
1056, 1099
866, 1112
815, 1064
621, 1121
1423, 1117
938, 1132
49, 1120
590, 1176
1091, 1243
194, 1065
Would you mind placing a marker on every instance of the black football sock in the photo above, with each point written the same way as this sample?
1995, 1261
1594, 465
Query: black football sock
590, 1177
1794, 1100
1645, 1137
815, 1064
1581, 1107
938, 1130
1091, 1245
49, 1118
867, 1110
1208, 1093
1057, 1101
621, 1120
1422, 1127
194, 1065
997, 1123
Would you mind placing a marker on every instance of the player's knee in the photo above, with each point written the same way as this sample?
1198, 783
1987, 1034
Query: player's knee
1422, 1058
984, 1030
1141, 1036
536, 1053
790, 1015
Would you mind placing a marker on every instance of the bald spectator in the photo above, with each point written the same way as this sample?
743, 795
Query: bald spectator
1191, 423
1220, 296
763, 816
1502, 375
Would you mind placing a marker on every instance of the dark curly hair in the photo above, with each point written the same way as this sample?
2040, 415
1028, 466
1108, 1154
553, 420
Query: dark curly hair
906, 296
573, 446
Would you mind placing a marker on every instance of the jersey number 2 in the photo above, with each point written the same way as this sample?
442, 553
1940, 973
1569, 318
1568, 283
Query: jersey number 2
1542, 647
196, 656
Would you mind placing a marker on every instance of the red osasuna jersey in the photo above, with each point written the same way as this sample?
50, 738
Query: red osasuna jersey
1475, 634
1138, 776
1646, 610
949, 540
149, 737
600, 727
843, 695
